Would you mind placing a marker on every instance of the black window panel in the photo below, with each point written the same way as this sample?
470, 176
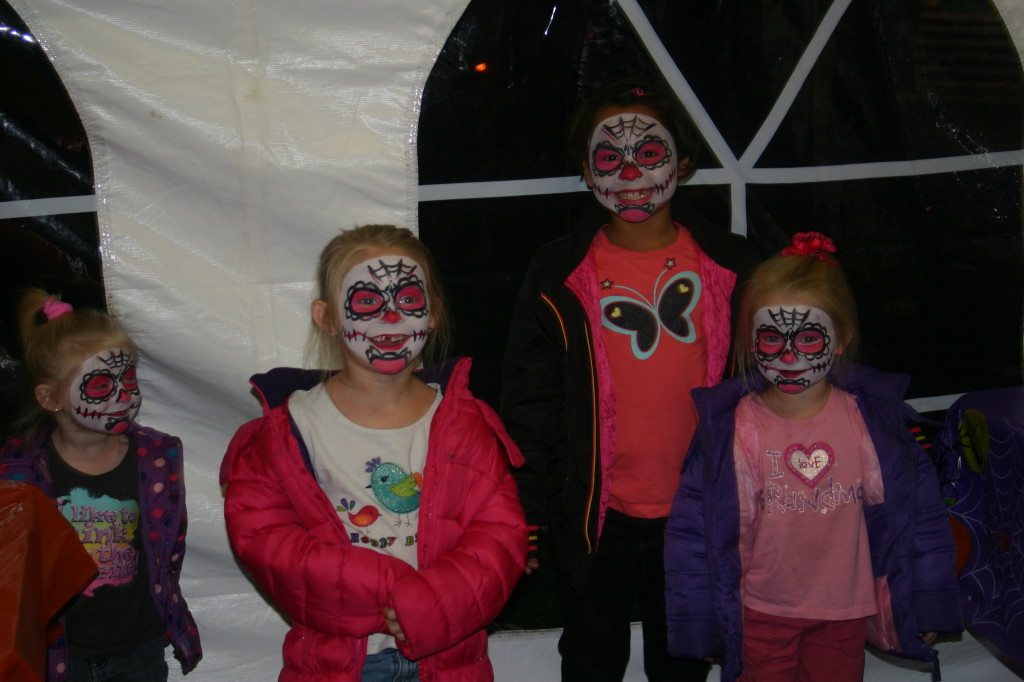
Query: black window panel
936, 260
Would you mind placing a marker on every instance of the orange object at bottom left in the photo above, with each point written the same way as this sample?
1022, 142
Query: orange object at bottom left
42, 565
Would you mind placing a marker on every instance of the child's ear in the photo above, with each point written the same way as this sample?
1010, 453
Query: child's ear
587, 177
321, 313
843, 343
47, 398
685, 167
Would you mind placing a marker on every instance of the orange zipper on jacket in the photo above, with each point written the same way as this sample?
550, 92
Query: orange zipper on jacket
593, 411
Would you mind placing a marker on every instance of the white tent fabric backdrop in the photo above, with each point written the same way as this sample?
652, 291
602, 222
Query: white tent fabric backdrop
230, 141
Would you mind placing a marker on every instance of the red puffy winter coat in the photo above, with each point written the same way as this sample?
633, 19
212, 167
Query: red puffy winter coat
471, 541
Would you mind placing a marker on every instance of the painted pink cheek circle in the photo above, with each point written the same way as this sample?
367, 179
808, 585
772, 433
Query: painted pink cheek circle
414, 293
99, 387
651, 154
361, 308
606, 161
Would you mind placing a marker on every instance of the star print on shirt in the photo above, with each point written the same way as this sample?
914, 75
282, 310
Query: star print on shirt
607, 284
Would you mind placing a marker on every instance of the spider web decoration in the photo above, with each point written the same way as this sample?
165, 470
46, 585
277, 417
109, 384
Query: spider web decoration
988, 515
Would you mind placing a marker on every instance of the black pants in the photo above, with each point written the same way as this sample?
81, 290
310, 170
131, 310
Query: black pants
595, 642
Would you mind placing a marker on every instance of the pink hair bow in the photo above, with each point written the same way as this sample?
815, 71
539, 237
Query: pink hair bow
53, 308
811, 244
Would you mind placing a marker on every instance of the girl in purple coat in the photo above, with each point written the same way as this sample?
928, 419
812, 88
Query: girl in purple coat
808, 519
117, 483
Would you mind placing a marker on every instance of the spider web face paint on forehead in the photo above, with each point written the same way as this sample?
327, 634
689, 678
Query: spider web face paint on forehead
633, 165
104, 395
794, 346
385, 313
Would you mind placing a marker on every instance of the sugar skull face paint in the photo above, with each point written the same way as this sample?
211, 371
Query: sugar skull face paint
634, 165
104, 393
385, 312
794, 346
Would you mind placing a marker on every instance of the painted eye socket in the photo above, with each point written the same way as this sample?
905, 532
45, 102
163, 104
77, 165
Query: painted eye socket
607, 159
651, 153
129, 381
98, 386
366, 301
809, 342
769, 342
411, 298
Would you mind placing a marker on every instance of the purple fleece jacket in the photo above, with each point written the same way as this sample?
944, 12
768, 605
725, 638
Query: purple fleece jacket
912, 550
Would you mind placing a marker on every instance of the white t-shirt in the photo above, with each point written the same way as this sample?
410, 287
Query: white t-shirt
373, 477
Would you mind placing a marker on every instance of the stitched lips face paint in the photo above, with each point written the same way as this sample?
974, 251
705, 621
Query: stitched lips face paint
794, 346
633, 165
104, 394
385, 312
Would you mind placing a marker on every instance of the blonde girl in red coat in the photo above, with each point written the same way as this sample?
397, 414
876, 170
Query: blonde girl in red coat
373, 501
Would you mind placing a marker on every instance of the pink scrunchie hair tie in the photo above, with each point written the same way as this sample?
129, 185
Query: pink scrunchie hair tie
53, 308
813, 244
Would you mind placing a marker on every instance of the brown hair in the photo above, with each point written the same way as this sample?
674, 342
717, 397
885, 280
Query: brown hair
796, 275
337, 258
54, 348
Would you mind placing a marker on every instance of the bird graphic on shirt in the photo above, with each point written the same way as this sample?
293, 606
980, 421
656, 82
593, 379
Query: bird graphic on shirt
395, 489
362, 518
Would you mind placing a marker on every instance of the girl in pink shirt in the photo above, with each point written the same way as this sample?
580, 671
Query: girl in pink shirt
808, 519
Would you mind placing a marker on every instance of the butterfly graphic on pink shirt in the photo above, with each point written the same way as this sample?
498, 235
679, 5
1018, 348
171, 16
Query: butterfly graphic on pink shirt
643, 320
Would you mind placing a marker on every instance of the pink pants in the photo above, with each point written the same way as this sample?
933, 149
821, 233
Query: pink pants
778, 649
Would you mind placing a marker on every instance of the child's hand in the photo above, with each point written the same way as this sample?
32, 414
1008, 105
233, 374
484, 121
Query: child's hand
391, 621
928, 637
532, 564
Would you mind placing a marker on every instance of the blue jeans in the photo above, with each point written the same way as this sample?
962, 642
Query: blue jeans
145, 663
390, 666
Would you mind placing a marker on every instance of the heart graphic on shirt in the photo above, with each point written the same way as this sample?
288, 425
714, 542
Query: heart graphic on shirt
809, 464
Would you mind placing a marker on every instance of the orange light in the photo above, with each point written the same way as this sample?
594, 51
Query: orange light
481, 67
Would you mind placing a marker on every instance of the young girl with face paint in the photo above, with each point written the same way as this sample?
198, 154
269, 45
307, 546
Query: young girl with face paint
614, 325
373, 502
809, 518
117, 483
